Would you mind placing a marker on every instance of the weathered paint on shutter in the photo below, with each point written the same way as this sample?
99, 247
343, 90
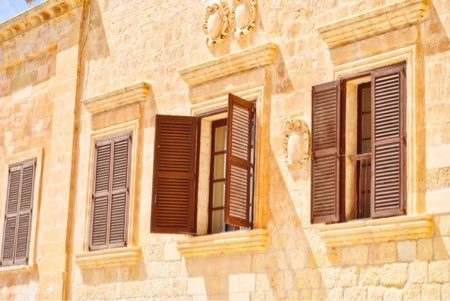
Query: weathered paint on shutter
238, 164
100, 195
18, 213
327, 165
120, 180
388, 142
174, 177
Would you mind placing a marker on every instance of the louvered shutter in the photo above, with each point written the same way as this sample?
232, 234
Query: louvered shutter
119, 191
18, 213
327, 164
388, 142
100, 195
238, 164
174, 175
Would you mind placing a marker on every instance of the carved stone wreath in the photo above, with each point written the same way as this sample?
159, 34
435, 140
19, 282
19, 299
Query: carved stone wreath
297, 142
216, 23
244, 15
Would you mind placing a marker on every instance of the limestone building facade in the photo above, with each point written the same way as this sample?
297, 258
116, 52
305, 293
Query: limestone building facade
226, 150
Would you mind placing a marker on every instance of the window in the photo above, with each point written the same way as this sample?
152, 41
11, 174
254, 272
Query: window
177, 154
18, 213
358, 129
110, 193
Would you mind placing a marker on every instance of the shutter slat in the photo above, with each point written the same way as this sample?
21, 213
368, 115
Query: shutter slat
326, 167
174, 206
99, 222
388, 141
238, 163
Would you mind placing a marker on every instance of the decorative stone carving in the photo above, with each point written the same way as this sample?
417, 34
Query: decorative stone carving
216, 23
297, 142
244, 15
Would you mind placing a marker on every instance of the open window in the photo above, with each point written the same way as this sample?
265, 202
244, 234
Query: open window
359, 140
176, 170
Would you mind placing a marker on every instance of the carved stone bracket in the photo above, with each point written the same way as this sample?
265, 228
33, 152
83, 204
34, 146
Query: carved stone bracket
297, 142
244, 16
216, 23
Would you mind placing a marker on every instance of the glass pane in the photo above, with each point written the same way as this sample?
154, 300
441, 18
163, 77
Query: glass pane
219, 166
365, 123
366, 100
217, 221
221, 138
219, 194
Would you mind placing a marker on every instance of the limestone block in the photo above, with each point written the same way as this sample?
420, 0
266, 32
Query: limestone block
407, 250
374, 293
438, 271
412, 292
392, 294
355, 255
383, 253
307, 278
425, 249
394, 275
445, 291
196, 286
239, 283
348, 276
370, 275
418, 271
431, 292
440, 251
355, 293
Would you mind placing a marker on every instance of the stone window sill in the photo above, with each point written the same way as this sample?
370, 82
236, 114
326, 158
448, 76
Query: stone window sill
109, 257
24, 268
223, 243
377, 230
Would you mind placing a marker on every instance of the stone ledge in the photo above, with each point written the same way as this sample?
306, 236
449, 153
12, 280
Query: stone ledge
377, 230
118, 98
387, 18
244, 60
35, 16
14, 269
223, 243
109, 257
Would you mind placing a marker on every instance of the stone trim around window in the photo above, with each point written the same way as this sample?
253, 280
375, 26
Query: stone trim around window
384, 19
37, 153
377, 230
223, 243
244, 60
118, 98
109, 257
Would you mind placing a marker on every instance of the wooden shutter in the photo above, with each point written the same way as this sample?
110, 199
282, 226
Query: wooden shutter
388, 141
18, 213
238, 164
327, 144
174, 175
110, 193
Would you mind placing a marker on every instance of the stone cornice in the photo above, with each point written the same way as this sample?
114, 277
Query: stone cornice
109, 257
118, 98
35, 16
243, 60
223, 243
387, 18
377, 230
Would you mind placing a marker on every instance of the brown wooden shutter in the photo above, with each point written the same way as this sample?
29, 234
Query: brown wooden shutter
327, 144
18, 213
174, 176
388, 141
238, 164
110, 193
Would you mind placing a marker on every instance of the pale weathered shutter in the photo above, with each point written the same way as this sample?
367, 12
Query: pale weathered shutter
25, 208
388, 141
238, 164
18, 213
174, 176
327, 144
100, 195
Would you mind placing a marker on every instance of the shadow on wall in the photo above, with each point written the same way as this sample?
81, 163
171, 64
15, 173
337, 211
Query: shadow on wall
437, 38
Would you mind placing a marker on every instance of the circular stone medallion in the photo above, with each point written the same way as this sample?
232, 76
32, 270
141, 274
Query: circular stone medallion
214, 25
242, 15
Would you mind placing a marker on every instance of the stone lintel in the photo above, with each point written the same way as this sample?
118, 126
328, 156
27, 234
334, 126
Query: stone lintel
243, 60
109, 258
390, 17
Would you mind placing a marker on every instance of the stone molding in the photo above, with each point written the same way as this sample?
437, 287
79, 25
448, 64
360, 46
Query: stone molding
387, 18
16, 269
244, 60
109, 257
223, 243
118, 98
377, 230
36, 16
